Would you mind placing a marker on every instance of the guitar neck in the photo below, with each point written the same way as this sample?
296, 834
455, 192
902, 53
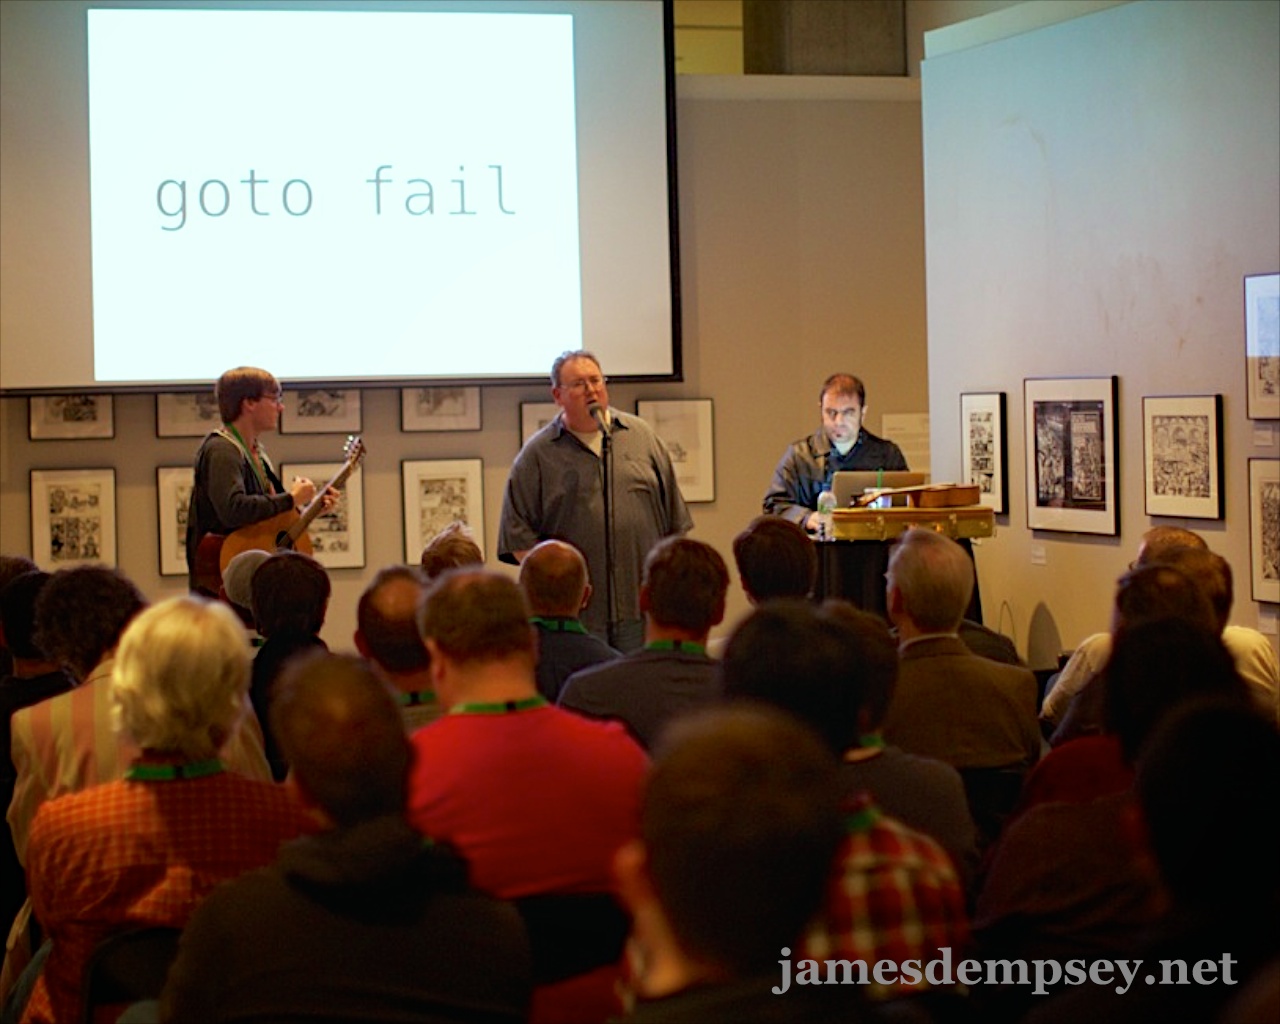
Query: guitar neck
316, 505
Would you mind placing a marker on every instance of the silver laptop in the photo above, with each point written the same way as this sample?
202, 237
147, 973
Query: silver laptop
850, 484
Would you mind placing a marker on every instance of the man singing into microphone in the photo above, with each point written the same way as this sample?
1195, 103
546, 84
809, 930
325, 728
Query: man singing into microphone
841, 443
556, 490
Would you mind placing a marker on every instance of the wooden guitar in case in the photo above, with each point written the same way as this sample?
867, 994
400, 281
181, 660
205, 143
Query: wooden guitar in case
285, 531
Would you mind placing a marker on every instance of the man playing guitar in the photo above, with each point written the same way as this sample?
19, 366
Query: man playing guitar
235, 483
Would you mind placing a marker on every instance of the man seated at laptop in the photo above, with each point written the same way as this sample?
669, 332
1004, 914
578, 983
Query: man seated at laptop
841, 443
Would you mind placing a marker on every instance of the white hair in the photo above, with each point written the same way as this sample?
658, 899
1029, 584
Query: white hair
180, 677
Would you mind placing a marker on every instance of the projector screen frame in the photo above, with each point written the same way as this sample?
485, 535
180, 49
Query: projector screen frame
79, 108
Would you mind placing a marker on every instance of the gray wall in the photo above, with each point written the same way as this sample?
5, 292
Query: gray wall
1096, 191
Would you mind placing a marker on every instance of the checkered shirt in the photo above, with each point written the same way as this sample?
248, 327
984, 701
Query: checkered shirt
126, 854
895, 896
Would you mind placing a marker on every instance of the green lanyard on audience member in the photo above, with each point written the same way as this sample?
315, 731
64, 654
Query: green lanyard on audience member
144, 772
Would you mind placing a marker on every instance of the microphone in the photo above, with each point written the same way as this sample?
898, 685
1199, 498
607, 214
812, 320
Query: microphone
597, 414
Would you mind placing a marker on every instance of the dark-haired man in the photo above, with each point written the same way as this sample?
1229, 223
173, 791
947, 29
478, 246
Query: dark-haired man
289, 594
841, 443
364, 921
556, 490
682, 596
740, 824
775, 558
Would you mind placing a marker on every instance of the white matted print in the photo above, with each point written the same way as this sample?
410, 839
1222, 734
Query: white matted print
983, 444
1182, 456
71, 417
73, 517
173, 489
1264, 529
1072, 454
439, 409
321, 411
439, 492
534, 416
686, 427
186, 414
1262, 345
337, 536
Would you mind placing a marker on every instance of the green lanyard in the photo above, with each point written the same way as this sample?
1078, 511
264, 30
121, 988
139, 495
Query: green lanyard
682, 646
251, 455
504, 707
862, 819
143, 772
414, 698
559, 625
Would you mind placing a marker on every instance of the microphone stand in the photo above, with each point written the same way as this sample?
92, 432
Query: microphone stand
606, 463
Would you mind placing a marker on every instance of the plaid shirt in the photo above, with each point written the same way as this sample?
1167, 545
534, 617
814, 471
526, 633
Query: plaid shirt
140, 853
895, 896
69, 743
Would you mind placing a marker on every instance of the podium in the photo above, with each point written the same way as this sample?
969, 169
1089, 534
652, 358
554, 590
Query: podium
852, 564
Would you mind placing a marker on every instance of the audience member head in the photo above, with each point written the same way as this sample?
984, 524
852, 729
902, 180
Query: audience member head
180, 677
822, 665
1152, 592
474, 615
18, 614
237, 579
874, 675
1203, 781
290, 594
554, 579
930, 581
775, 558
1160, 539
683, 585
81, 613
243, 384
1155, 666
13, 566
740, 824
387, 621
340, 729
452, 547
1210, 573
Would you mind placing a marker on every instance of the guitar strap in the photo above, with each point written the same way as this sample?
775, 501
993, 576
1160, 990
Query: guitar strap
257, 458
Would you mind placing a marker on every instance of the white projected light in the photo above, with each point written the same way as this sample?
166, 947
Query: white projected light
332, 194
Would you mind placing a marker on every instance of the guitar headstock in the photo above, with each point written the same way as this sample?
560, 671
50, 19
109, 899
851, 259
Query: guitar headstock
353, 450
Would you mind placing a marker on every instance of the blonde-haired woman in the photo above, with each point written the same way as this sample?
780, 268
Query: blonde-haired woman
146, 850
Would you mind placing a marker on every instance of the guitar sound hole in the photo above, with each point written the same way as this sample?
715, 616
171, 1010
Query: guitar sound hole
282, 541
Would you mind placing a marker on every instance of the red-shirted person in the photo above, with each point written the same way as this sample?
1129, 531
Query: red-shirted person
145, 850
537, 799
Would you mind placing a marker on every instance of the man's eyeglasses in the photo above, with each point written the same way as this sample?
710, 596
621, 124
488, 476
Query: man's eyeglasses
585, 382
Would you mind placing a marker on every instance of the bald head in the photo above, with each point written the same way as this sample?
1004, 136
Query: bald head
1160, 540
386, 621
554, 579
340, 729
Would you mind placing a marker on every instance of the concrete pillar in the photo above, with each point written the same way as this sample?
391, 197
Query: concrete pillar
824, 37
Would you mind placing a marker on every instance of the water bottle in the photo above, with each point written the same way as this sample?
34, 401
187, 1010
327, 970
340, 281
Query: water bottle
826, 505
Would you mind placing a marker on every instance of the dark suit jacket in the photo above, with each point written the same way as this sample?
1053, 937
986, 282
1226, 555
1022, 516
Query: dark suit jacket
968, 711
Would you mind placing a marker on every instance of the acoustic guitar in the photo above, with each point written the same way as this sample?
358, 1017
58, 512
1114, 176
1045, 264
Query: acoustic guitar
285, 531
